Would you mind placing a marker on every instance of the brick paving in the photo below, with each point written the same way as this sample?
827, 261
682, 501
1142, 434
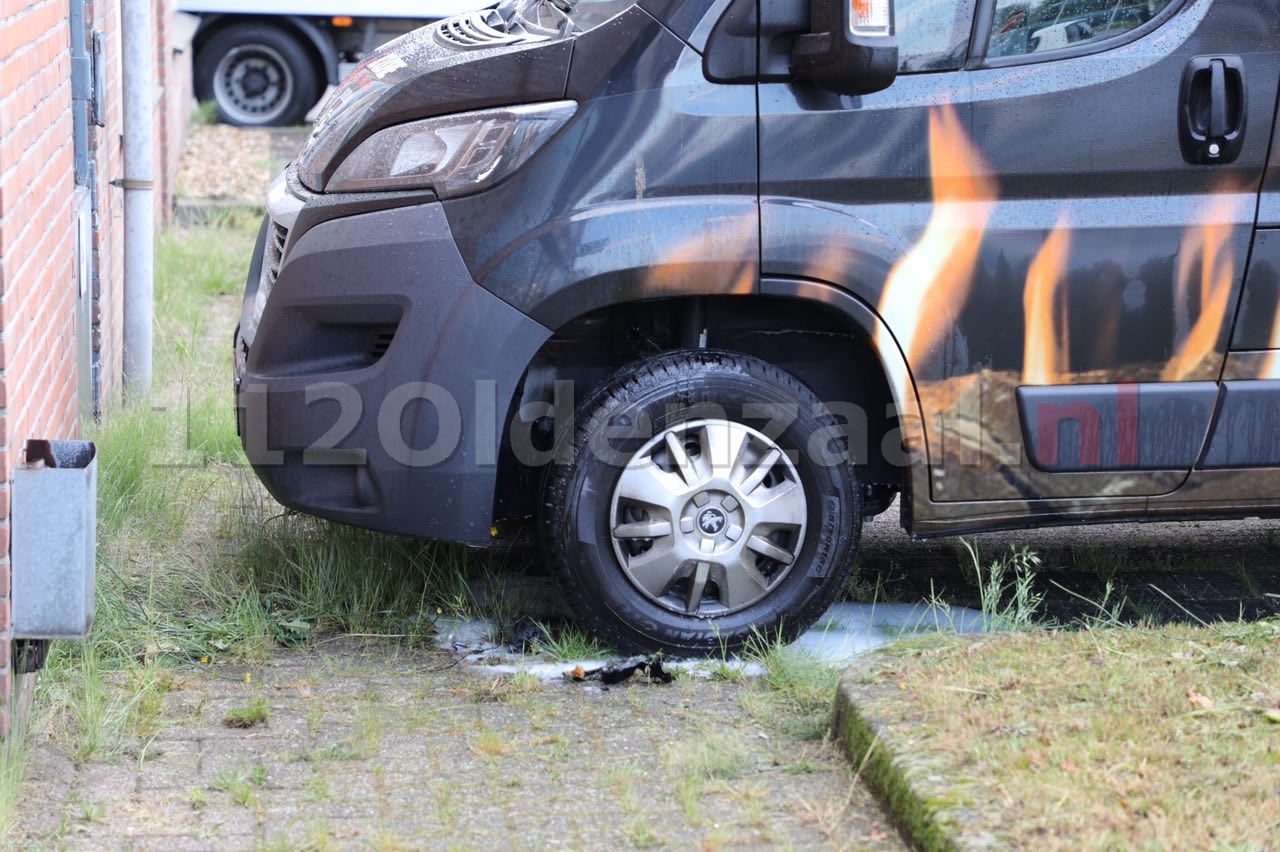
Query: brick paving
372, 746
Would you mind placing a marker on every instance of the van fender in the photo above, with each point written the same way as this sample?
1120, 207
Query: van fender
625, 251
893, 363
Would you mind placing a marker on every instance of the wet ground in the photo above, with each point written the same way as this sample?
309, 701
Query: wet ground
377, 746
1199, 570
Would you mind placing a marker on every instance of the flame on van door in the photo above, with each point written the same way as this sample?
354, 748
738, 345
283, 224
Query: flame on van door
927, 288
1045, 351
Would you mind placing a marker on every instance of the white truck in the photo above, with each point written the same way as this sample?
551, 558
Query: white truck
268, 63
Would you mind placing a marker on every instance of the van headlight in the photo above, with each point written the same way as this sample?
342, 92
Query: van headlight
451, 154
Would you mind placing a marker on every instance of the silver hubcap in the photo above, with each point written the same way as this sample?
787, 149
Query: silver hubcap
253, 84
708, 517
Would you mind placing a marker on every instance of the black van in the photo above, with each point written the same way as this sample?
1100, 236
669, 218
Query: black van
702, 284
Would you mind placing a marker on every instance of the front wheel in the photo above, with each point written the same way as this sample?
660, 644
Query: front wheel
708, 499
258, 75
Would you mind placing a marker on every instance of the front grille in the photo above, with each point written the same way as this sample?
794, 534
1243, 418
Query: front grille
272, 259
274, 254
380, 343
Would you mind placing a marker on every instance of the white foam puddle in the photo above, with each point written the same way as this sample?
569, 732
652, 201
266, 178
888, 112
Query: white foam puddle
849, 629
845, 631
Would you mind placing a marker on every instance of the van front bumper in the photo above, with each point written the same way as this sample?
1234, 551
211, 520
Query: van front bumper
373, 375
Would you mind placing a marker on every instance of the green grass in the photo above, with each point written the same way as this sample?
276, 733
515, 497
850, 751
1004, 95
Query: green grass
1006, 588
713, 757
333, 752
13, 766
567, 642
794, 693
503, 688
206, 112
249, 715
134, 491
318, 577
196, 565
1100, 738
239, 784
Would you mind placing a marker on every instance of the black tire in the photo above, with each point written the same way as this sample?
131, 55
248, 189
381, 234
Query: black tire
258, 75
583, 501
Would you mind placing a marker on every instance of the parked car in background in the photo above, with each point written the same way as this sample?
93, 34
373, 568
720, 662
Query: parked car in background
267, 63
701, 284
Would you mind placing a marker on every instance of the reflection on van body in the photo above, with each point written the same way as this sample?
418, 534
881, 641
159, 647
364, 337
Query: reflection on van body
694, 287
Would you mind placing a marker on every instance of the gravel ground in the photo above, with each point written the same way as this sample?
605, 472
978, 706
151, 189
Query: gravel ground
223, 164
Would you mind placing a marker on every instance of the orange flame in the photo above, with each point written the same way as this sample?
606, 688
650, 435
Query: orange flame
1044, 355
1271, 363
927, 288
725, 248
1210, 243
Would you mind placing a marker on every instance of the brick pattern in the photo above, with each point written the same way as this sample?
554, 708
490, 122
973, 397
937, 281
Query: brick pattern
38, 200
37, 250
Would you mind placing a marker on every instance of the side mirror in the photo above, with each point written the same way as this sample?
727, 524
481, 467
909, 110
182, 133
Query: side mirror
851, 49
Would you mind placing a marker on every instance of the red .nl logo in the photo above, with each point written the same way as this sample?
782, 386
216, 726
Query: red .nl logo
1089, 419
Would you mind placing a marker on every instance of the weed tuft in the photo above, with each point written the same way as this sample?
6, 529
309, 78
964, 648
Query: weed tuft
316, 577
250, 715
492, 744
503, 688
1006, 588
568, 642
238, 784
206, 112
795, 691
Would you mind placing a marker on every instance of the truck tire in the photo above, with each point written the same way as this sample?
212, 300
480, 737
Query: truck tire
679, 518
258, 75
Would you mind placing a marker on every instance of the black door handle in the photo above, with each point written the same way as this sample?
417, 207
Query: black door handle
1211, 110
1217, 99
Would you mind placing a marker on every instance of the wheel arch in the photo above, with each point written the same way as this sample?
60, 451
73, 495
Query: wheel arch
813, 330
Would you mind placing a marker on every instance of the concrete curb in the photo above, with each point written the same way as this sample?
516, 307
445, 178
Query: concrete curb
930, 811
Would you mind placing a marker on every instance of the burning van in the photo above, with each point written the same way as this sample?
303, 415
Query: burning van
700, 285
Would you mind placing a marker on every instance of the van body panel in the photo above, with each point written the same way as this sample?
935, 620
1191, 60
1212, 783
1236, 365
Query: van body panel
1248, 365
908, 451
688, 19
1116, 427
1246, 434
1269, 201
1078, 249
1256, 321
650, 190
1072, 167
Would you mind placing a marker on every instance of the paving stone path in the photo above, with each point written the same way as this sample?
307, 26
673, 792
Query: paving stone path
374, 747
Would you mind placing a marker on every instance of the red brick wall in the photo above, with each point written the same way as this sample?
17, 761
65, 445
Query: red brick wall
38, 285
37, 251
175, 100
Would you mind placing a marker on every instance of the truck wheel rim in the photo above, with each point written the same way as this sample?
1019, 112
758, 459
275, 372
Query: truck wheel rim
708, 518
253, 84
